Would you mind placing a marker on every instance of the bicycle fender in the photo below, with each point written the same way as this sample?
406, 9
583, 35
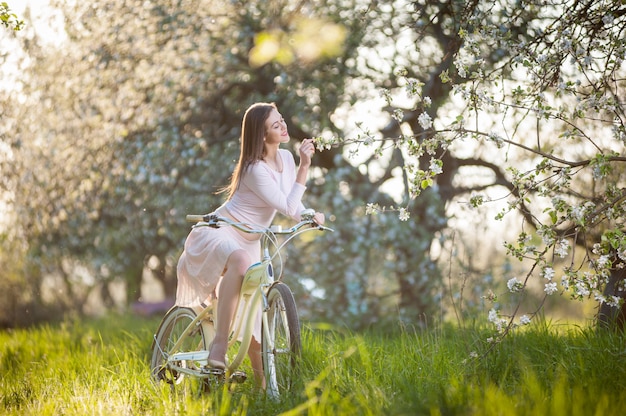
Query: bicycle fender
256, 275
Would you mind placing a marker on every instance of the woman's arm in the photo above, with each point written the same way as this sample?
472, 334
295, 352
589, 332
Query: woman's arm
261, 181
307, 150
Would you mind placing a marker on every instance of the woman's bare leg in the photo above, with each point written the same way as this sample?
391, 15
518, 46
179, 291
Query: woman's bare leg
227, 300
254, 352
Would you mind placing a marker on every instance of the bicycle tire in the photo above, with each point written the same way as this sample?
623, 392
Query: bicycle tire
170, 330
280, 341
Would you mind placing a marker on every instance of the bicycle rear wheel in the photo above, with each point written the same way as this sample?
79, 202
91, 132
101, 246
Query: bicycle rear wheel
171, 329
281, 344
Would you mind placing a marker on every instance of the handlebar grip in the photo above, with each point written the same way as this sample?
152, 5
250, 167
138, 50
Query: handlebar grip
307, 214
194, 218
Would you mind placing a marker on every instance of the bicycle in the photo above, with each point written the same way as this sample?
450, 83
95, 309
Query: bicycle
180, 348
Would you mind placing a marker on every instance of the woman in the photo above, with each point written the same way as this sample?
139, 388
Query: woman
265, 181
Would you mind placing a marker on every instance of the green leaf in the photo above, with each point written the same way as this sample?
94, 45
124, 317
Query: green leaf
553, 217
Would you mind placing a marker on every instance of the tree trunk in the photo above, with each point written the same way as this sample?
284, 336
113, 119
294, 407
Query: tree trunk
611, 317
166, 276
134, 277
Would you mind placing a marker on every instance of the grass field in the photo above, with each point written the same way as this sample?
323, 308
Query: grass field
100, 367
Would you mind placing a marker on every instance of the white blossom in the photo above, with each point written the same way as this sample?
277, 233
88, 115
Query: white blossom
614, 301
514, 285
603, 261
546, 235
495, 319
435, 166
578, 212
412, 86
582, 289
425, 121
562, 248
598, 297
550, 288
493, 316
371, 209
548, 273
404, 214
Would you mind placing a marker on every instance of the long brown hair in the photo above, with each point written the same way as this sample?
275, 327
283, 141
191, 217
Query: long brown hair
252, 147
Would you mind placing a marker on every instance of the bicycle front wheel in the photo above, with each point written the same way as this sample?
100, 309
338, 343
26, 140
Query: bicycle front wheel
171, 329
281, 344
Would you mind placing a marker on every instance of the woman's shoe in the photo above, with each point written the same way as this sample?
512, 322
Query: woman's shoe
220, 365
217, 364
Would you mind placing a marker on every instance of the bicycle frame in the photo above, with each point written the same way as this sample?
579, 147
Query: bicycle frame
257, 282
255, 285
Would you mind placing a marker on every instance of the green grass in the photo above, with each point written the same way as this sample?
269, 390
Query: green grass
87, 367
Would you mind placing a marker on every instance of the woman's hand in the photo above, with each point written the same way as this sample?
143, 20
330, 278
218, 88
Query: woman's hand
319, 218
307, 150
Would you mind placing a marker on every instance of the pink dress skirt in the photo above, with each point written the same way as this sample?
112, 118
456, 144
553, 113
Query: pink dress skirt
202, 263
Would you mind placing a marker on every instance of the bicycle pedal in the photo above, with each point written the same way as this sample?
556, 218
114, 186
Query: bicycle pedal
238, 377
213, 371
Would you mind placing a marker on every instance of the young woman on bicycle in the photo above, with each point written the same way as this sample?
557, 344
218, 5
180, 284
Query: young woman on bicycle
215, 260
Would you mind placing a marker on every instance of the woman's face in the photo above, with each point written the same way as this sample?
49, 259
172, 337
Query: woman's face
276, 129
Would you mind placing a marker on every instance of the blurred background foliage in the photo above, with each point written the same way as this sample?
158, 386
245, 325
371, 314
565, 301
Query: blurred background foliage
129, 119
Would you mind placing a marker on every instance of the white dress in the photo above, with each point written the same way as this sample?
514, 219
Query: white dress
262, 192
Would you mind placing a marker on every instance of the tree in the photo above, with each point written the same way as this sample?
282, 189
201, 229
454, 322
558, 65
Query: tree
538, 87
138, 124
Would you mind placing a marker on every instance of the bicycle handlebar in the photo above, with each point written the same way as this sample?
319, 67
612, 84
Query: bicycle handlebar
214, 220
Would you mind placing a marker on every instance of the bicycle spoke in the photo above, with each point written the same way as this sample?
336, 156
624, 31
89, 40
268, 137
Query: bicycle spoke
281, 341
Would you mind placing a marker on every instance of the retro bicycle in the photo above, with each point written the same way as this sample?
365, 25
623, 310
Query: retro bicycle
180, 348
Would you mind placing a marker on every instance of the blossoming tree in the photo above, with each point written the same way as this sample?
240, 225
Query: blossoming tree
531, 92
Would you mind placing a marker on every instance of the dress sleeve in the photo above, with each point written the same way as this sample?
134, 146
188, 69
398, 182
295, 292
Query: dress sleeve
264, 182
